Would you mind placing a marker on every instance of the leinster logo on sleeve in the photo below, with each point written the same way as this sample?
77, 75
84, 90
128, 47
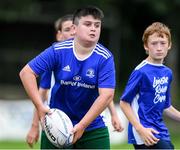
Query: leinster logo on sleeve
90, 73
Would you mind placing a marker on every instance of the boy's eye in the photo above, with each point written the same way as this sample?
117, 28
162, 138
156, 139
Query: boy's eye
67, 29
163, 43
97, 25
154, 43
87, 24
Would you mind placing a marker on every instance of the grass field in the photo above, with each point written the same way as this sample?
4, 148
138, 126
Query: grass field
173, 128
16, 145
22, 145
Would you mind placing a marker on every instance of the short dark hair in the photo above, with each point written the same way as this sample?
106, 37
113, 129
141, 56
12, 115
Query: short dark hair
85, 11
58, 23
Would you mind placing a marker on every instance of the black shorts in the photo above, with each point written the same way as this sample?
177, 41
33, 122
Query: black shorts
162, 144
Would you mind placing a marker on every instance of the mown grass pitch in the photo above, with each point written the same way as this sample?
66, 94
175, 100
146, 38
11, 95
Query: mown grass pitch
175, 136
16, 145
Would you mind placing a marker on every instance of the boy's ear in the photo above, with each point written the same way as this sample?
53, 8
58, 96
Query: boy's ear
145, 47
169, 47
74, 28
59, 36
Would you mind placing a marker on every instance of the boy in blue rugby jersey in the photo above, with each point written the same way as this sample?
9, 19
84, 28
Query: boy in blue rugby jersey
147, 93
82, 89
64, 31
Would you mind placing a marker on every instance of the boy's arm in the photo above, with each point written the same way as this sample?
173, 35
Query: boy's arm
33, 134
145, 133
28, 78
114, 118
44, 94
172, 113
105, 97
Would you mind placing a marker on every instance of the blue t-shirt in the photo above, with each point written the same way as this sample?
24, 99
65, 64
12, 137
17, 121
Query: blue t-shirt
148, 92
76, 81
45, 80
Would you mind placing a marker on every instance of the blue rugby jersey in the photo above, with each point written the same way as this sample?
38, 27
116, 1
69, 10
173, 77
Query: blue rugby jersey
76, 81
45, 80
148, 92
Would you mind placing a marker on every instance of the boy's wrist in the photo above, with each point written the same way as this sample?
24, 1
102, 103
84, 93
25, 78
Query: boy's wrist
138, 127
35, 125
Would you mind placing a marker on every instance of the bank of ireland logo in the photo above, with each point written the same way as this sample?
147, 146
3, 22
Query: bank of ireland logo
90, 73
77, 78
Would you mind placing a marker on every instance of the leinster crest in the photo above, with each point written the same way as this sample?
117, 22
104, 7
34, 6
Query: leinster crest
90, 73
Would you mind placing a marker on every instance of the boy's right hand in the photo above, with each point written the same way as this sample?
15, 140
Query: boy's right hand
147, 135
32, 136
42, 111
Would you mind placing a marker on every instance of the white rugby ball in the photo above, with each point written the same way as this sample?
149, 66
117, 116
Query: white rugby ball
58, 128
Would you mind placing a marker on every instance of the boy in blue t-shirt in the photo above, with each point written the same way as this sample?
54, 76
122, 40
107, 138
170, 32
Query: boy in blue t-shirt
147, 93
84, 79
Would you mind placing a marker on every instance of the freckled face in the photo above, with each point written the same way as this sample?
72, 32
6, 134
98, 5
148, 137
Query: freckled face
157, 47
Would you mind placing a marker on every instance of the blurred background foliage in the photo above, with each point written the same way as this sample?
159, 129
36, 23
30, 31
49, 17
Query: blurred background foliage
27, 28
